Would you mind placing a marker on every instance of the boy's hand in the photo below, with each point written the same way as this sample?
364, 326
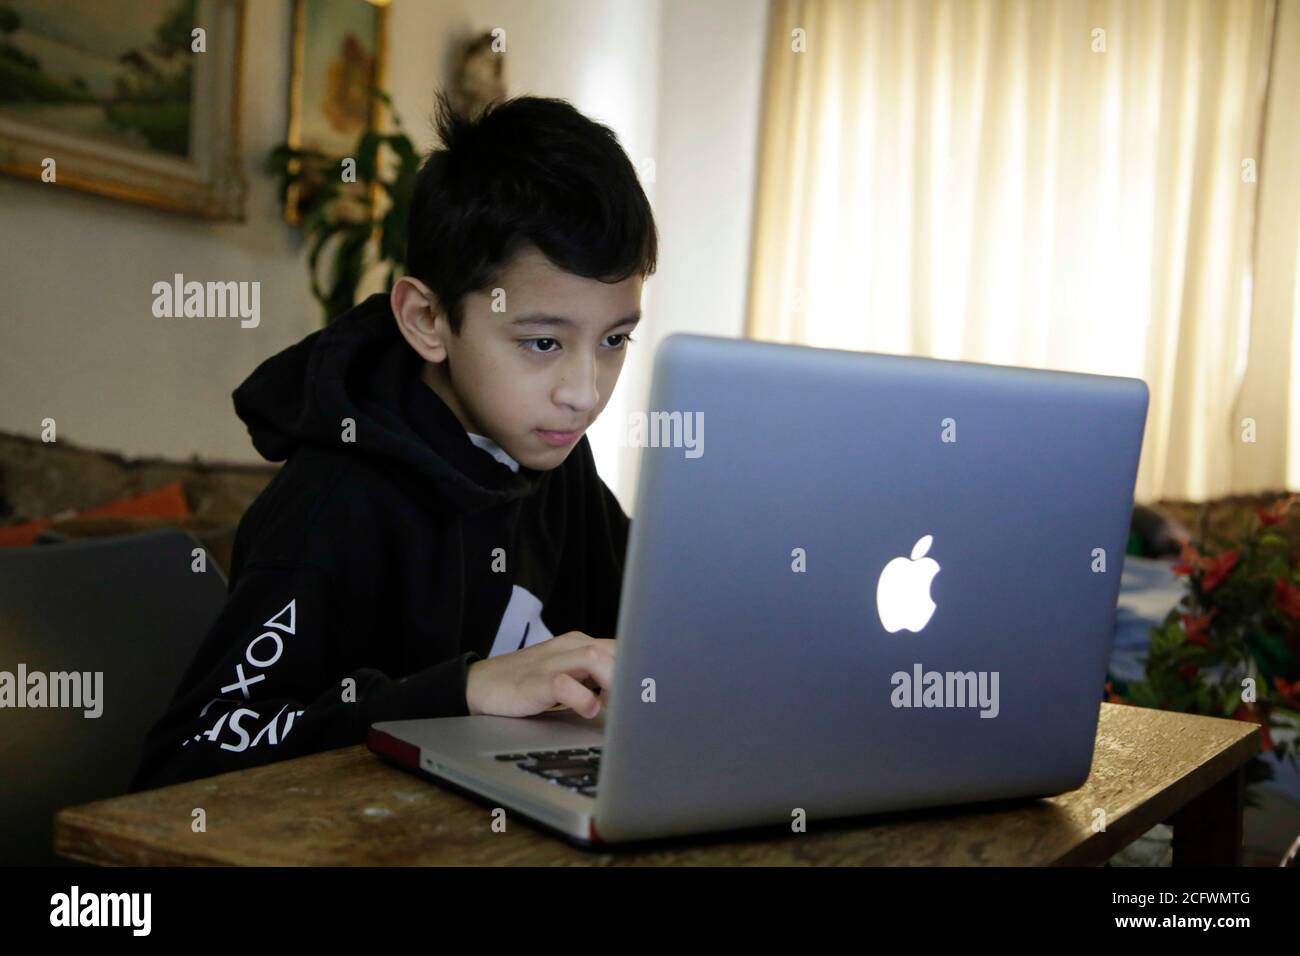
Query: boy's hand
562, 670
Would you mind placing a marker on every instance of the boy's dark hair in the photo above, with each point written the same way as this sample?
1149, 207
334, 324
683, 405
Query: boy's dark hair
525, 170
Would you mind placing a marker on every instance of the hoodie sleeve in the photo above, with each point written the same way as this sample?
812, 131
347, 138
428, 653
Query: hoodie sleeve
265, 685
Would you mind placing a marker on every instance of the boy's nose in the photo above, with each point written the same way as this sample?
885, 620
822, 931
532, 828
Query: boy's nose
578, 387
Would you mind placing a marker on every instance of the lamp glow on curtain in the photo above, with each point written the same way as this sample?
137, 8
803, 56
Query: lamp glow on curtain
1044, 183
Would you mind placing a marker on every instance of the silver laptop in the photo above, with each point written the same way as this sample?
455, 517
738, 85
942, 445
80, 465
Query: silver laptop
856, 583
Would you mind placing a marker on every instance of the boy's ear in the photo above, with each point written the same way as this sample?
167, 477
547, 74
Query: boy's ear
419, 318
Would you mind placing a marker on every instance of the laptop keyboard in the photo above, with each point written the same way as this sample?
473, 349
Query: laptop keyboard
573, 769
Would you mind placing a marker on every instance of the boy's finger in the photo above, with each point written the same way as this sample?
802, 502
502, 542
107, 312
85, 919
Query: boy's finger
580, 664
575, 695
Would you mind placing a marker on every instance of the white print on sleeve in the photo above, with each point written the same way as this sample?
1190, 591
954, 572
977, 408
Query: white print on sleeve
273, 731
261, 652
265, 649
521, 624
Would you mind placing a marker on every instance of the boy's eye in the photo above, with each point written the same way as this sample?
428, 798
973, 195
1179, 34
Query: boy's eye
529, 342
620, 341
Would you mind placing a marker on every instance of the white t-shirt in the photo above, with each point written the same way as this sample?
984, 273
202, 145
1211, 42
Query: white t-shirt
495, 450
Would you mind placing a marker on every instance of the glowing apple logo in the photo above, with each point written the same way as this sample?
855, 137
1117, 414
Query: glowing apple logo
903, 593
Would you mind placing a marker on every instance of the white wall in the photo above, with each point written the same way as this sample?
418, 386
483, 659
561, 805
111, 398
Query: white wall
678, 82
710, 84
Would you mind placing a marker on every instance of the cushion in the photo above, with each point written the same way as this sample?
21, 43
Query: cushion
165, 502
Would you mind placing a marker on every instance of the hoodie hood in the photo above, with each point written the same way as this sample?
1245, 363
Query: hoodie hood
360, 368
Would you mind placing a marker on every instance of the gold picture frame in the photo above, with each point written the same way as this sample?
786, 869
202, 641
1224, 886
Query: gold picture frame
198, 171
330, 67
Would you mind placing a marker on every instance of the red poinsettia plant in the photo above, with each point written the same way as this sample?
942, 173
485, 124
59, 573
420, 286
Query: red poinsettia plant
1232, 645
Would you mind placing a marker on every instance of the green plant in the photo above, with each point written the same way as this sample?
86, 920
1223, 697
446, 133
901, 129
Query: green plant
1231, 646
351, 226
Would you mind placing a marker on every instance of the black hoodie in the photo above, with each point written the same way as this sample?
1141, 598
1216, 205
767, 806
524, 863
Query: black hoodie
387, 555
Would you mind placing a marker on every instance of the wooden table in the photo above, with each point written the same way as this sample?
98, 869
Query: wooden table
347, 807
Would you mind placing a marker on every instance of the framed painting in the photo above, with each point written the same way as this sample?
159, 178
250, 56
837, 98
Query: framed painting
134, 100
339, 54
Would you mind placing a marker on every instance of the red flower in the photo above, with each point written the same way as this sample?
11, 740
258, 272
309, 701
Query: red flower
1217, 568
1290, 690
1287, 597
1247, 712
1111, 696
1187, 671
1195, 627
1274, 513
1187, 560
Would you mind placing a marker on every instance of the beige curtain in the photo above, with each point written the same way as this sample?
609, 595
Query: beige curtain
1109, 187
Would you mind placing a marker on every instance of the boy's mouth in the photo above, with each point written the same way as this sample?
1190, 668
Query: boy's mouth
557, 439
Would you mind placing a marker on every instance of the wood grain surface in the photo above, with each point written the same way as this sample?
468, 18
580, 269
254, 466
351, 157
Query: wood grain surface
347, 807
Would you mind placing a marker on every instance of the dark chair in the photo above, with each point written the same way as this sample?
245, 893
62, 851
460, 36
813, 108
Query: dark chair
127, 606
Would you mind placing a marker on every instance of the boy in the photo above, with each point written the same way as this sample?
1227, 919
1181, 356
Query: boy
439, 542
